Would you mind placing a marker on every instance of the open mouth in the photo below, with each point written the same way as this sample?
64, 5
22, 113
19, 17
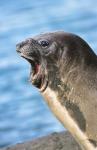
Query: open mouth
34, 65
36, 75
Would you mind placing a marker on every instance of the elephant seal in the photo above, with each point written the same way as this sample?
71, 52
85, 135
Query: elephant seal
64, 69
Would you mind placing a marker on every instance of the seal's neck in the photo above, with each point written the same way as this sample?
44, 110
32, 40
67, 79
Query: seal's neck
62, 114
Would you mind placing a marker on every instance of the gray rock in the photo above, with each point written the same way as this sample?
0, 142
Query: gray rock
55, 141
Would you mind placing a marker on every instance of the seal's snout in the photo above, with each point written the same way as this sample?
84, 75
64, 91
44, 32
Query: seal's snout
27, 42
20, 45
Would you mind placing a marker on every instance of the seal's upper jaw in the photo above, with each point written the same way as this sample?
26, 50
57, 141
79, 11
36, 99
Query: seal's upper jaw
34, 63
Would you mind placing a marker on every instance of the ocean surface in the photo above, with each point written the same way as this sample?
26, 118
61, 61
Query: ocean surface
23, 112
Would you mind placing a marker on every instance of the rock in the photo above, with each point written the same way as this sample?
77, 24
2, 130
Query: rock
55, 141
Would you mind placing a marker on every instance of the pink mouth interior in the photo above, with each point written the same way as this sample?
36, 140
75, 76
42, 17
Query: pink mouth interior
36, 69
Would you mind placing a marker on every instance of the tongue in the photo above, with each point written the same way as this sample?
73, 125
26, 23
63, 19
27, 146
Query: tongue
36, 68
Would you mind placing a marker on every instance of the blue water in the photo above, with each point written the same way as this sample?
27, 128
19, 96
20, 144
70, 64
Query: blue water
23, 112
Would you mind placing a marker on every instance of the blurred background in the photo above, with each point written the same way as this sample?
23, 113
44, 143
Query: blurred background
23, 112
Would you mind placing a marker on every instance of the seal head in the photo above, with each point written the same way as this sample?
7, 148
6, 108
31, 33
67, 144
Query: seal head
42, 52
31, 50
51, 56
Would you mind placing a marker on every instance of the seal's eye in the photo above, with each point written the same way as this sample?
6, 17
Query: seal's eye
44, 43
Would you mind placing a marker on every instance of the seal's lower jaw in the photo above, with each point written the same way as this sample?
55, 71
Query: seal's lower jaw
44, 86
37, 78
